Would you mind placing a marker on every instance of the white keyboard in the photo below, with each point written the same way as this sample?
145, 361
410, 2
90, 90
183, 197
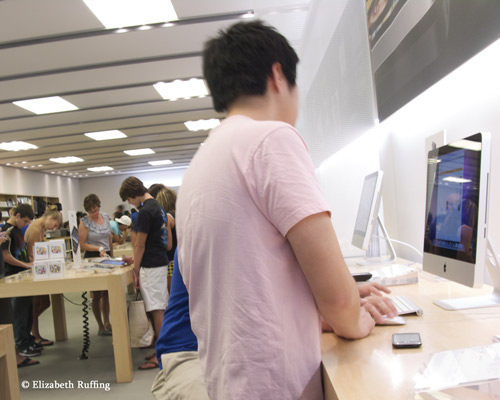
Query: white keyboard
405, 306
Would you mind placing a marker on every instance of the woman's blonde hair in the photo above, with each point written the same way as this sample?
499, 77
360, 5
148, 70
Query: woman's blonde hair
52, 212
167, 197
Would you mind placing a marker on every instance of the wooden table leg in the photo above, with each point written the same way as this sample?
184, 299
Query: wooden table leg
121, 336
9, 380
59, 316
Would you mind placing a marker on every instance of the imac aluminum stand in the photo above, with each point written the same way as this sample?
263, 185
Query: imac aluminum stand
490, 300
382, 259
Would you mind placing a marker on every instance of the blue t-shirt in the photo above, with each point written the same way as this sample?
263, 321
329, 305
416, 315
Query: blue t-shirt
115, 229
133, 217
176, 333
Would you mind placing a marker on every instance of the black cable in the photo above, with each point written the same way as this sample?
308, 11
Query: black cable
86, 336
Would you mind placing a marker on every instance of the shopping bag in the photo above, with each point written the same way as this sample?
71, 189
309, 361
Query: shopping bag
140, 327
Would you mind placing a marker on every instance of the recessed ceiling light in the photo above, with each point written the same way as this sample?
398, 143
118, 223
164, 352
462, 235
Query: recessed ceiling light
139, 152
160, 162
17, 146
46, 105
100, 169
106, 135
178, 89
202, 124
121, 30
66, 160
145, 28
122, 13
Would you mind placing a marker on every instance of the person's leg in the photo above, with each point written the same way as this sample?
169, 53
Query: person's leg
157, 318
21, 321
40, 304
105, 310
180, 378
96, 309
153, 288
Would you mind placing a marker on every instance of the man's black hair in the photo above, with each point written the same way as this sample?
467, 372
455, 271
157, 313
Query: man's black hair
239, 60
24, 211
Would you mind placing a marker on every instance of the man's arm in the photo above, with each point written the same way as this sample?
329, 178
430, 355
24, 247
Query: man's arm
139, 246
316, 247
170, 225
14, 261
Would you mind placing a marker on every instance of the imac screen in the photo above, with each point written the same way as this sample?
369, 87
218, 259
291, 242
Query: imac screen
453, 200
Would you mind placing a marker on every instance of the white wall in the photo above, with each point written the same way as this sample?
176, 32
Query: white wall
338, 107
31, 183
108, 187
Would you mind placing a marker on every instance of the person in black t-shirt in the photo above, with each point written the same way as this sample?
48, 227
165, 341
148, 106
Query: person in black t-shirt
16, 260
150, 253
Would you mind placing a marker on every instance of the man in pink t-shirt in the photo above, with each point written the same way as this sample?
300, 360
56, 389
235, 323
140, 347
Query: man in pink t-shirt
257, 250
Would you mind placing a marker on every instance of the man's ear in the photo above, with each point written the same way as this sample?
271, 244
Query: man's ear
276, 78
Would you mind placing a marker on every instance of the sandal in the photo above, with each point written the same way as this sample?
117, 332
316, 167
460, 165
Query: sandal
150, 356
27, 362
45, 342
149, 365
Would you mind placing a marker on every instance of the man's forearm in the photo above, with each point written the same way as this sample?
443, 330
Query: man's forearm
14, 261
138, 254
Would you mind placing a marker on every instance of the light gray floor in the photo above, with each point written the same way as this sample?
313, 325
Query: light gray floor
60, 363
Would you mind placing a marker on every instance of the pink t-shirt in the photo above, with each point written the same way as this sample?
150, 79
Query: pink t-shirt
251, 308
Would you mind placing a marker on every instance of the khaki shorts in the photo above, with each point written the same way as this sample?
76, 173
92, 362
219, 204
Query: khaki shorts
181, 377
153, 283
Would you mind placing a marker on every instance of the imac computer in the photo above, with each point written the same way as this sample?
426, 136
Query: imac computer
455, 239
368, 219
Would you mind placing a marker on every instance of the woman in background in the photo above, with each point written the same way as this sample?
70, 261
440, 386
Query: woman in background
94, 232
50, 220
167, 197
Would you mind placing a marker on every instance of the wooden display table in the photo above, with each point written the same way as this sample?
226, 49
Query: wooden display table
9, 380
371, 369
80, 281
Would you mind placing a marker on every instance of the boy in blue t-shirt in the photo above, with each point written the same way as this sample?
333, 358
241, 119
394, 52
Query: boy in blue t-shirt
177, 346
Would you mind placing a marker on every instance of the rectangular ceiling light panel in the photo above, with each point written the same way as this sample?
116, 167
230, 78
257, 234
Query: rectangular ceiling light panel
124, 13
100, 169
17, 146
202, 124
106, 135
178, 89
160, 162
66, 160
139, 152
46, 105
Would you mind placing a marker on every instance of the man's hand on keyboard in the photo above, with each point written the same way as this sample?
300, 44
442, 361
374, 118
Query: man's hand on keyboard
372, 288
373, 301
379, 307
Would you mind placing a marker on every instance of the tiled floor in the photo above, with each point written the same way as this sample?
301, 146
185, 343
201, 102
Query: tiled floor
59, 363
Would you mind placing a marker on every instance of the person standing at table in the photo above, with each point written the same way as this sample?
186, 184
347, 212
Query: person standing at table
95, 239
150, 253
120, 229
50, 220
167, 198
257, 249
16, 259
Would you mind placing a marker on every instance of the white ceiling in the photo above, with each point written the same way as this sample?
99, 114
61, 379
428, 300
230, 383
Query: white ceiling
59, 48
